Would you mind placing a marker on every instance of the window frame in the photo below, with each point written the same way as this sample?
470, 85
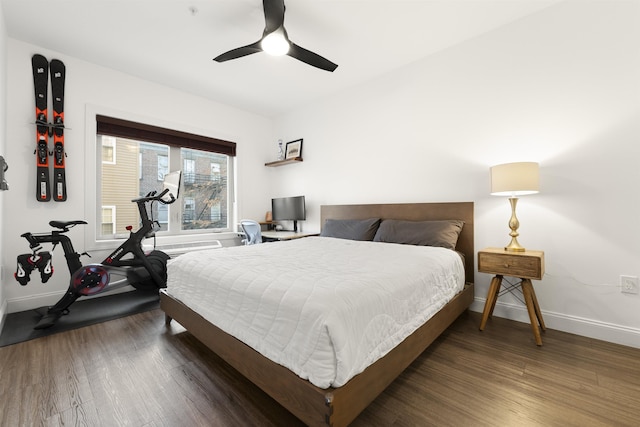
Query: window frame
93, 194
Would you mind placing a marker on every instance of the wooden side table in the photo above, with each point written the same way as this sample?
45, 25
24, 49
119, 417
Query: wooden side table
525, 266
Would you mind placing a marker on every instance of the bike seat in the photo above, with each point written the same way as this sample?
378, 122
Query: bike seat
65, 225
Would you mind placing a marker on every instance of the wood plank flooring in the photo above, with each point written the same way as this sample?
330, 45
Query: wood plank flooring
137, 372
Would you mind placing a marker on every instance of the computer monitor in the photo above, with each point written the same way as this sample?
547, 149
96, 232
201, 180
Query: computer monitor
289, 209
172, 183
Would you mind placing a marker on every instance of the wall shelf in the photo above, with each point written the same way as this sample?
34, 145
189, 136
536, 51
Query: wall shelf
283, 162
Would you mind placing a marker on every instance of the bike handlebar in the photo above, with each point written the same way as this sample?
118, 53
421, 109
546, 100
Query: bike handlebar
155, 196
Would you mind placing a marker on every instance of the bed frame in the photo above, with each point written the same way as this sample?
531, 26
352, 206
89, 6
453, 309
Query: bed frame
340, 406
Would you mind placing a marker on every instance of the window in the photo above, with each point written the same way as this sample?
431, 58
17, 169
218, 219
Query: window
163, 166
163, 216
216, 212
108, 222
189, 213
189, 171
109, 150
146, 154
215, 171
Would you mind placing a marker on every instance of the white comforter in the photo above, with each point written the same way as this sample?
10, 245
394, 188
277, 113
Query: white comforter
325, 308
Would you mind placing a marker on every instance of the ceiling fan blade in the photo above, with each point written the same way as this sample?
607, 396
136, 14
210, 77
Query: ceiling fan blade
273, 15
239, 52
274, 22
308, 57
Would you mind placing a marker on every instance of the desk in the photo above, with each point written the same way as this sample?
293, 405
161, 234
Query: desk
523, 265
284, 235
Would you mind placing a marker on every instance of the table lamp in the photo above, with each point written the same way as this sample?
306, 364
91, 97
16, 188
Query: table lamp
514, 179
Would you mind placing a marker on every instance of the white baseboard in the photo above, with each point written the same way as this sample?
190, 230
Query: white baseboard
3, 313
609, 332
33, 301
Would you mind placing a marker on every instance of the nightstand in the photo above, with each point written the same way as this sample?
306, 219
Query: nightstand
525, 266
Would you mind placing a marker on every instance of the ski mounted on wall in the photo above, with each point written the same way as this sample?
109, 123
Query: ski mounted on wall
40, 83
57, 69
44, 129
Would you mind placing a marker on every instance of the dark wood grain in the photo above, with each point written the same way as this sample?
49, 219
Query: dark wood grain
138, 371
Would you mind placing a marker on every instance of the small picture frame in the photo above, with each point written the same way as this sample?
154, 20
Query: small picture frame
294, 149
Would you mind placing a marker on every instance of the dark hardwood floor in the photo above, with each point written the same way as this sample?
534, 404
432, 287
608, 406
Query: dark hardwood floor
137, 372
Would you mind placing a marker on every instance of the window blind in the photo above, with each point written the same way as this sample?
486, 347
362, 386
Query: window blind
112, 126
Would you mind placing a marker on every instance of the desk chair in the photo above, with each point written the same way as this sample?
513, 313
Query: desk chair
252, 232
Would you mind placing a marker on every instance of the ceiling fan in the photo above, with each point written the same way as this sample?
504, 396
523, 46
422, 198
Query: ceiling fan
276, 41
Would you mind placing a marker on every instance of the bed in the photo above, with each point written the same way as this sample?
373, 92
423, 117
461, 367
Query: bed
310, 399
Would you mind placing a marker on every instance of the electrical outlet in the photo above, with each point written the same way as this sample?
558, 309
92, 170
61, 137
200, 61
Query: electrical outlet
629, 284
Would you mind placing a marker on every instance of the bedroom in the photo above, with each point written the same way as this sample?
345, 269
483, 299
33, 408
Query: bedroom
559, 86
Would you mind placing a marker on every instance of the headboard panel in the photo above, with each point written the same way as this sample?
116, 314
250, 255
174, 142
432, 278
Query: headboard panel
415, 212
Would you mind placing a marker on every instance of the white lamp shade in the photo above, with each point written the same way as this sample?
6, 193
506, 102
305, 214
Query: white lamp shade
514, 179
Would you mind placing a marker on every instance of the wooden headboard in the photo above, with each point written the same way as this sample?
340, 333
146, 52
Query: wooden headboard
415, 212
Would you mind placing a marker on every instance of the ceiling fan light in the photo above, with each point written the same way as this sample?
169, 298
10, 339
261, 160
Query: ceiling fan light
275, 44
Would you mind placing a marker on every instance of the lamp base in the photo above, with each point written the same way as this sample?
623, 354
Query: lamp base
514, 246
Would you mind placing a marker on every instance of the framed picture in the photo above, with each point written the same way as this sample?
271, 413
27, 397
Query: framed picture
294, 149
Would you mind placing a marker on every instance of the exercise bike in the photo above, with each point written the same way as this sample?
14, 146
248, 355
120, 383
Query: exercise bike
144, 271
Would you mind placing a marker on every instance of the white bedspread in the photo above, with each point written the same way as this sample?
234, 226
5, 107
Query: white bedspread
325, 308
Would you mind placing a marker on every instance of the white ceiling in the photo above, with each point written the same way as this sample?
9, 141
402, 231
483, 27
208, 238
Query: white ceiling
173, 42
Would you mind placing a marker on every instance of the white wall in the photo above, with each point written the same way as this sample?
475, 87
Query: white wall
560, 87
90, 87
4, 273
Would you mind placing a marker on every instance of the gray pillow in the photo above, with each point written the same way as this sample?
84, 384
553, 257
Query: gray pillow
352, 229
422, 233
